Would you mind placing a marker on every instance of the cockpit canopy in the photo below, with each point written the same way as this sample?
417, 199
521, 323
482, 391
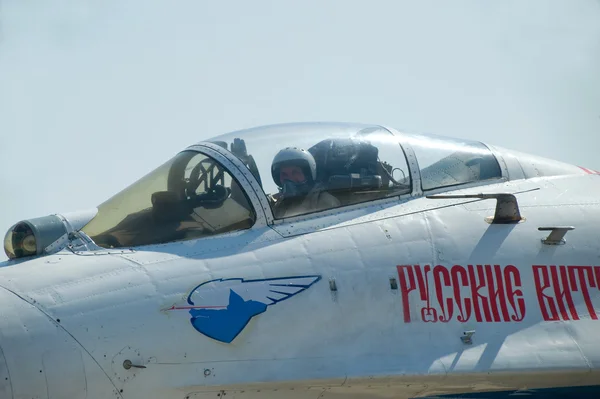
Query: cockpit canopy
195, 195
359, 163
354, 163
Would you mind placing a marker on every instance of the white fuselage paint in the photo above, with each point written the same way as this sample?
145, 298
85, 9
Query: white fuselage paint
99, 310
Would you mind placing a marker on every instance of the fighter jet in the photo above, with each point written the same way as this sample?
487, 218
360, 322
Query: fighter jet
313, 260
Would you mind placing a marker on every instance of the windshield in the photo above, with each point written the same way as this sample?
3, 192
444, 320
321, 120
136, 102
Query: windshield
310, 167
190, 196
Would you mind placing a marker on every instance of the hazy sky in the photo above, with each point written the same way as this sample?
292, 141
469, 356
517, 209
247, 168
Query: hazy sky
94, 94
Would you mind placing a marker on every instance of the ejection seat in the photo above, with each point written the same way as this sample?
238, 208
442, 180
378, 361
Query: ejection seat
349, 169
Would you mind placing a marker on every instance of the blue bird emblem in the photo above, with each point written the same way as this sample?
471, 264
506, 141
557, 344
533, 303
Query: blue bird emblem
222, 308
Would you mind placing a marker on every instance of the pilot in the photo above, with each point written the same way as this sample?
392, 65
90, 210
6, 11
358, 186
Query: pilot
295, 171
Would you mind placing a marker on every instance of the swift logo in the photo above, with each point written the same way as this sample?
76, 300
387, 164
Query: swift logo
222, 308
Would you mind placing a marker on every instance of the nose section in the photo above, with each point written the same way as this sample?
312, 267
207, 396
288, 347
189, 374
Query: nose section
5, 386
38, 358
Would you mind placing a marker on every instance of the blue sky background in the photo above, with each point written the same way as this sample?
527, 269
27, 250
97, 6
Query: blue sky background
93, 94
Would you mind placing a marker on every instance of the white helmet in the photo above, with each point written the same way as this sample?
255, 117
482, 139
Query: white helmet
292, 156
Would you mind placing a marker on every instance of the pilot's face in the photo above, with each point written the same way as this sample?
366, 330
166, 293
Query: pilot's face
291, 173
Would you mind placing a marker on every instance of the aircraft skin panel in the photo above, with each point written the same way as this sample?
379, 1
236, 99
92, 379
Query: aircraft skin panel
396, 351
5, 383
400, 298
42, 359
355, 338
527, 166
